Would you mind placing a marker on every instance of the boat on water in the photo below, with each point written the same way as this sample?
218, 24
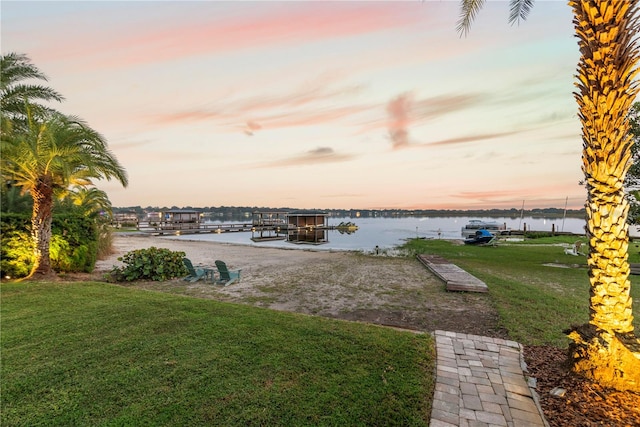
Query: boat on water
469, 230
346, 227
481, 237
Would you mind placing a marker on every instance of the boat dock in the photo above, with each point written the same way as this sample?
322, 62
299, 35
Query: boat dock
225, 228
267, 225
454, 277
193, 228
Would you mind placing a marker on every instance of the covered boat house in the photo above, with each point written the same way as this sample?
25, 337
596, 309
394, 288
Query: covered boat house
269, 225
295, 227
308, 227
179, 220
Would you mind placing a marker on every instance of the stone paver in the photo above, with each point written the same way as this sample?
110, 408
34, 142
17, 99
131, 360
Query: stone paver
480, 381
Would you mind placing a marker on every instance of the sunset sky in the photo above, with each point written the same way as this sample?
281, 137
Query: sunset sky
317, 105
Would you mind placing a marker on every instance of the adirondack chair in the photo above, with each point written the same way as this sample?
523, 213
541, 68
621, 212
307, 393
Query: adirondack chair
227, 276
492, 242
195, 274
574, 250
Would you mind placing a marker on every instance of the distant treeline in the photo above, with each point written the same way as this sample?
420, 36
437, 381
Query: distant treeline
240, 212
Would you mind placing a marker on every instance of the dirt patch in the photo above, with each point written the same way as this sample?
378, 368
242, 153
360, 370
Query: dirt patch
392, 291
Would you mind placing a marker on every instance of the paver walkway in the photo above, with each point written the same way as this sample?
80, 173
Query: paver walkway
480, 381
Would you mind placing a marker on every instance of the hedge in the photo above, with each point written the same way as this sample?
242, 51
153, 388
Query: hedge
73, 246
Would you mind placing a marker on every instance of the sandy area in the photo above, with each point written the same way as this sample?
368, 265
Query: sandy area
395, 291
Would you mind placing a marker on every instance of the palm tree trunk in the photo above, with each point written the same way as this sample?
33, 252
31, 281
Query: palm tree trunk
610, 304
606, 349
41, 228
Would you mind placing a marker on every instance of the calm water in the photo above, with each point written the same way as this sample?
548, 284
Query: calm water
391, 232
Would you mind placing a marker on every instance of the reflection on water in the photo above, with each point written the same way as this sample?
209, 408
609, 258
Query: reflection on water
310, 237
389, 232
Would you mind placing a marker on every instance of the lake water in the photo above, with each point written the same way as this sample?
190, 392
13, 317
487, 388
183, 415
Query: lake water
387, 233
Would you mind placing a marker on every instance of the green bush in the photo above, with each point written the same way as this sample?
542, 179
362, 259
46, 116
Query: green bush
68, 258
150, 264
73, 246
16, 247
17, 254
76, 246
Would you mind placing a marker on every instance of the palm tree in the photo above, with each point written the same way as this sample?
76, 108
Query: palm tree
606, 348
15, 68
52, 155
90, 201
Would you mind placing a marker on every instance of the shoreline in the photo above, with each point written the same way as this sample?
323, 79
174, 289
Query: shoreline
205, 252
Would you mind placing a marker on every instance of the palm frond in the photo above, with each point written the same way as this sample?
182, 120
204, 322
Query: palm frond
519, 10
18, 93
468, 11
16, 67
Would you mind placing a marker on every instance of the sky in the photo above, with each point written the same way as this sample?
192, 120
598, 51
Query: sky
317, 104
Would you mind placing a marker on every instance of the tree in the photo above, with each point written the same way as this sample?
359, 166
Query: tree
51, 155
15, 70
606, 349
92, 201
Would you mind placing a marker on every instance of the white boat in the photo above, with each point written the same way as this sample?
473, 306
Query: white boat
469, 230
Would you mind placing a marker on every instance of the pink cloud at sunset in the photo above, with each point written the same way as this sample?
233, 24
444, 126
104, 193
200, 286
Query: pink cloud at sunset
310, 105
469, 138
399, 110
256, 27
405, 110
311, 157
251, 127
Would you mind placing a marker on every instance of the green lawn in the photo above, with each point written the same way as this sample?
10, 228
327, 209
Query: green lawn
93, 354
534, 295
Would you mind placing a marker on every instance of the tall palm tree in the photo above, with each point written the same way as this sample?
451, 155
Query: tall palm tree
52, 155
606, 348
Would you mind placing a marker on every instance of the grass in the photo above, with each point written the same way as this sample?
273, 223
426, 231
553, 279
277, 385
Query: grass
535, 301
102, 355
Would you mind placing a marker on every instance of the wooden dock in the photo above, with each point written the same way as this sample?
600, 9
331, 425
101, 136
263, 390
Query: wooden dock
196, 228
192, 228
455, 278
297, 226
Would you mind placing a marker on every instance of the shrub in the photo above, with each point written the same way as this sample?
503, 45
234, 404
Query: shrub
73, 245
151, 264
17, 255
60, 253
